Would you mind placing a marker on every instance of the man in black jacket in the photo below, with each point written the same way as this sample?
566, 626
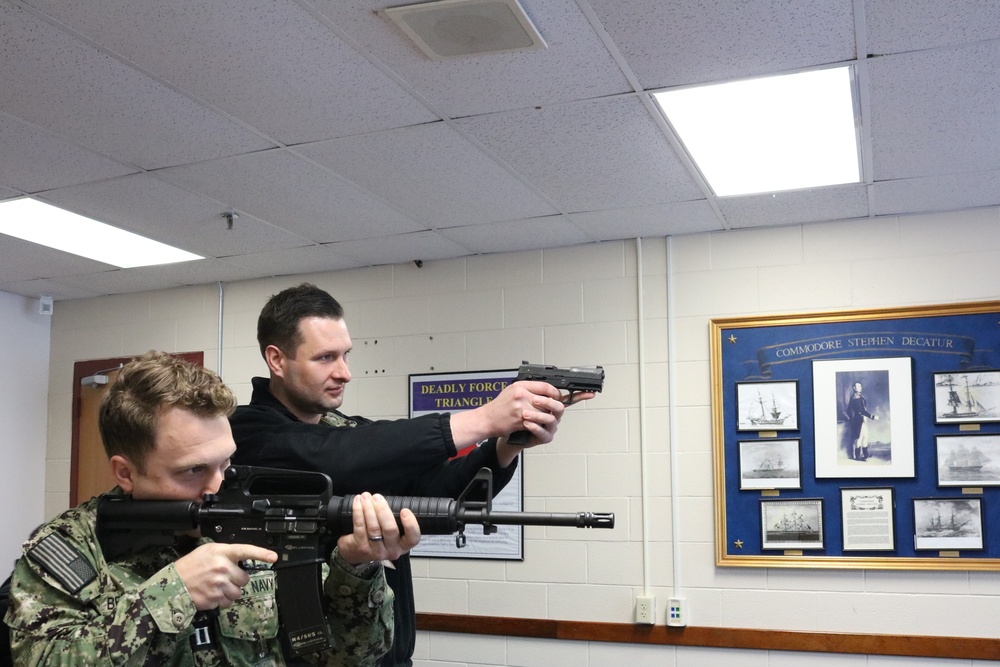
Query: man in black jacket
292, 422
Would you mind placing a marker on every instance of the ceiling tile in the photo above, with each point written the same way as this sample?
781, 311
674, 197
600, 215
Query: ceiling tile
22, 260
423, 246
294, 194
58, 291
599, 154
308, 259
548, 232
89, 97
34, 160
948, 192
674, 43
432, 173
156, 209
118, 281
839, 202
935, 112
269, 64
895, 27
198, 272
647, 221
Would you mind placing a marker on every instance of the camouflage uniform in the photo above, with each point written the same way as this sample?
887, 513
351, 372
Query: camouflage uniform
70, 606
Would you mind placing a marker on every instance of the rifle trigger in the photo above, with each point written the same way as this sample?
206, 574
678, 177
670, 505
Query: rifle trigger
460, 538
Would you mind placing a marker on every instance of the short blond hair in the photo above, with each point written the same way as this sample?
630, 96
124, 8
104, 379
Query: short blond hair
145, 388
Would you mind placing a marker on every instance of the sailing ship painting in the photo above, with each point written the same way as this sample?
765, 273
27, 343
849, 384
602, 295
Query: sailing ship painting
768, 415
968, 460
789, 524
767, 406
967, 397
769, 464
948, 523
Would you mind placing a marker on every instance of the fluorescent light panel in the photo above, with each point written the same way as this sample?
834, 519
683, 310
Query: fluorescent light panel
769, 134
33, 221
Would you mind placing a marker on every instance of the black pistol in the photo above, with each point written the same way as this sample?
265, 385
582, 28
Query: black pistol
573, 379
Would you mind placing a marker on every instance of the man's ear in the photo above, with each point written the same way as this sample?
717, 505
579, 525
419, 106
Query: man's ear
124, 472
275, 360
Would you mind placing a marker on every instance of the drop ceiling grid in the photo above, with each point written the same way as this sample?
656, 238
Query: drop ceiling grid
679, 43
600, 154
270, 65
935, 112
102, 104
35, 160
152, 207
575, 65
432, 173
290, 192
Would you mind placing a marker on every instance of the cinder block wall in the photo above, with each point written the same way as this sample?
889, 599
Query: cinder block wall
581, 305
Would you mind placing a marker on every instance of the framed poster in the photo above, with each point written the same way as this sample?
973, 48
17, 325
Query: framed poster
791, 524
770, 464
456, 392
968, 460
945, 524
767, 406
964, 397
868, 519
863, 417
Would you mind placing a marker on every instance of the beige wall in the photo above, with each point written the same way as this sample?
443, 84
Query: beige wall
580, 306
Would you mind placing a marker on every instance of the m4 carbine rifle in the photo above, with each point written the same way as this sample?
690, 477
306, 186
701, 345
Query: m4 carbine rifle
574, 379
296, 515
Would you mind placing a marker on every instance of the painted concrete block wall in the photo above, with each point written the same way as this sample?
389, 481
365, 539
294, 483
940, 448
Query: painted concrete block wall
580, 306
24, 334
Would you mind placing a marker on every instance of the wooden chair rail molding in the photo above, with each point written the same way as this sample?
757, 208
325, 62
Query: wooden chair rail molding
974, 648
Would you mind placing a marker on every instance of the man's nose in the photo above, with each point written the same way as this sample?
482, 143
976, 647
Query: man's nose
343, 371
214, 483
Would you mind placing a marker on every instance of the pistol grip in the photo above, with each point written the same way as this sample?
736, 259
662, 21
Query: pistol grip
518, 438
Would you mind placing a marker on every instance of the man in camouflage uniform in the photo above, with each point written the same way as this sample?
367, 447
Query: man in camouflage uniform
165, 429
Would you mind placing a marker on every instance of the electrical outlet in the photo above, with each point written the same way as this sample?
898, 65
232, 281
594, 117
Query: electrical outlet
645, 609
677, 612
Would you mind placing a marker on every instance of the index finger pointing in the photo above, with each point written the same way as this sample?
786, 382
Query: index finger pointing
241, 552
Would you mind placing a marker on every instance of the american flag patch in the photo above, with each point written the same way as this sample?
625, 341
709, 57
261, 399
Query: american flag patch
63, 562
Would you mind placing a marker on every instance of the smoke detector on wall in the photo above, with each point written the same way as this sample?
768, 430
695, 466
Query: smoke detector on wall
453, 28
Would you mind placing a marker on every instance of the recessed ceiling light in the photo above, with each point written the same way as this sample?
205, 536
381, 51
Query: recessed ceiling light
33, 221
769, 134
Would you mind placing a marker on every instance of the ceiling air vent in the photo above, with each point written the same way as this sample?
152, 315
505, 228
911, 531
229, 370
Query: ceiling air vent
453, 28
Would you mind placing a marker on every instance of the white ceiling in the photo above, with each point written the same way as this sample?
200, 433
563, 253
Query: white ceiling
339, 144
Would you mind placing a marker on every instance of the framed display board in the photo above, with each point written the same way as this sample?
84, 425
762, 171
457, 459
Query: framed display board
858, 439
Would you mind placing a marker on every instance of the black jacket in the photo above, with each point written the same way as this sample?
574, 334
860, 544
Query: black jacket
391, 457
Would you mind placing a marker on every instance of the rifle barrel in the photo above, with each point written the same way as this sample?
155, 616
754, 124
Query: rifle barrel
572, 519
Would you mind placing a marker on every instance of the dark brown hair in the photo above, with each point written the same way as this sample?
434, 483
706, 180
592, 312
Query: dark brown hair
278, 323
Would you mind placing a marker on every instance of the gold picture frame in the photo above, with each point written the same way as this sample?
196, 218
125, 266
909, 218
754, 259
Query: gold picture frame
781, 348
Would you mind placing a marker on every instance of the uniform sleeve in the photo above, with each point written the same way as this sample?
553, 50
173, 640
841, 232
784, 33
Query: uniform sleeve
373, 456
359, 613
58, 614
